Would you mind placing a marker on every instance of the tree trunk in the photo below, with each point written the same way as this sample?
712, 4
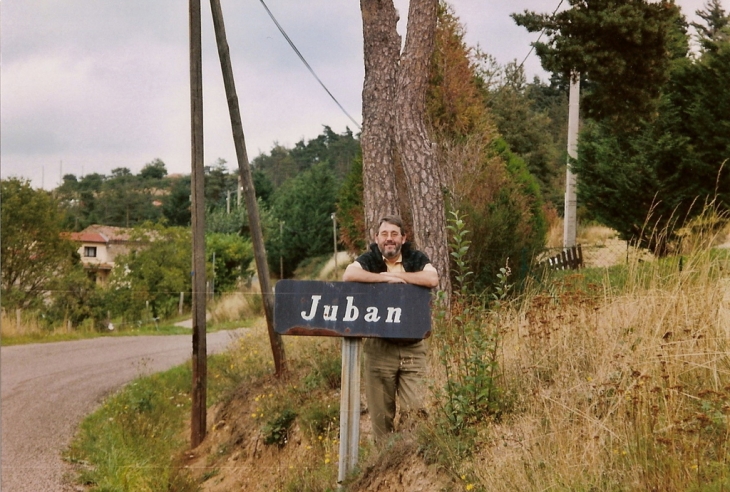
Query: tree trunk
413, 141
397, 148
381, 52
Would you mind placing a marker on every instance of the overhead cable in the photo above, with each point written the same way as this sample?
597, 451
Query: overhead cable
532, 47
291, 43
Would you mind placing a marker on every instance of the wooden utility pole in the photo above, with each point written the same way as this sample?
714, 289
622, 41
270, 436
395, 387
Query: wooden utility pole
200, 376
244, 169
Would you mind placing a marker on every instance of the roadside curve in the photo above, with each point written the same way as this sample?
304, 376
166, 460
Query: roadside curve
47, 389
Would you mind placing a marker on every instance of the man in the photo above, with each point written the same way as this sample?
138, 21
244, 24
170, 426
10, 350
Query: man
393, 366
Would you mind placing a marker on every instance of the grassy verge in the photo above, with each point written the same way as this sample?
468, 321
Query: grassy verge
131, 441
615, 379
138, 439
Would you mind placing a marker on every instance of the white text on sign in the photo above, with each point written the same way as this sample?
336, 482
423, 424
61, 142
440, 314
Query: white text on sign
352, 312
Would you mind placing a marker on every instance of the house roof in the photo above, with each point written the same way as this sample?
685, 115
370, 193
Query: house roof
87, 237
110, 232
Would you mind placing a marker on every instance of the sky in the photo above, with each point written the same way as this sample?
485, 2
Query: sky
87, 86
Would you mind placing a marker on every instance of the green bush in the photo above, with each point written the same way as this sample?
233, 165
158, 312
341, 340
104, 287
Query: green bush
276, 430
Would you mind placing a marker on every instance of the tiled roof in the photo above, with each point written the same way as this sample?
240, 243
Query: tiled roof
87, 237
110, 232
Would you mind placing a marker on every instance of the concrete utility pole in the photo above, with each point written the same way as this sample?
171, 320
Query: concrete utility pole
277, 346
570, 215
200, 369
334, 239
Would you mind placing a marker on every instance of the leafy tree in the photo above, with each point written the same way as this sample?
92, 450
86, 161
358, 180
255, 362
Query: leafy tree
714, 28
350, 216
338, 151
127, 201
74, 298
305, 204
32, 247
176, 205
218, 182
154, 170
533, 120
623, 49
233, 257
156, 270
488, 184
220, 221
263, 186
670, 167
278, 166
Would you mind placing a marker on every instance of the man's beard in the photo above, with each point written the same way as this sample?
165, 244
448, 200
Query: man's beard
390, 254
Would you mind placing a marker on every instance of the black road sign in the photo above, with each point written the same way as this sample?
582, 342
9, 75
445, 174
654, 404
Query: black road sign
352, 309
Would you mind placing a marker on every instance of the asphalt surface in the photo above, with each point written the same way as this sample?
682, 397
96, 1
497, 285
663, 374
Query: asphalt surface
47, 389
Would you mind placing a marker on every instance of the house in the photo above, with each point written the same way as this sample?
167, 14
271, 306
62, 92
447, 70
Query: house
99, 247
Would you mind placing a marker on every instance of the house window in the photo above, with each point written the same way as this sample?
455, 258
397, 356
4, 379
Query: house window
90, 251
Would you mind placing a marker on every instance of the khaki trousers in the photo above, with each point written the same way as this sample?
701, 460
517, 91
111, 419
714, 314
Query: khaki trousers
391, 371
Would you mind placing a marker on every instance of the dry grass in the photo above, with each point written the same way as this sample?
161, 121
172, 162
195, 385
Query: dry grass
11, 325
616, 392
233, 306
18, 324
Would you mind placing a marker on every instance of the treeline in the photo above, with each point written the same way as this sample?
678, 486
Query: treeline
655, 136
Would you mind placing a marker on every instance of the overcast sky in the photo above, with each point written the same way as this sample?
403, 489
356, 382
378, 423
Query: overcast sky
91, 85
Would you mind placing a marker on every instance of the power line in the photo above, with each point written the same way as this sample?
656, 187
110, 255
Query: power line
538, 38
291, 43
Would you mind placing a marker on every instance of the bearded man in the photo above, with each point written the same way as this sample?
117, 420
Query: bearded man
394, 367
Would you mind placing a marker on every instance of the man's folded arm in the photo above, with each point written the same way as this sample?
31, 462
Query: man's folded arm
428, 277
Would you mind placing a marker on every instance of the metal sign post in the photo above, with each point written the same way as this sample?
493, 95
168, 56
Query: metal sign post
352, 311
349, 407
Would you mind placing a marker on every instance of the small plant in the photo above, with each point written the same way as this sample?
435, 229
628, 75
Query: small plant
468, 339
320, 418
276, 430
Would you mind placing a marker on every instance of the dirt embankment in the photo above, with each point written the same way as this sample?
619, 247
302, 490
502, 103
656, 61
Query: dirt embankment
234, 456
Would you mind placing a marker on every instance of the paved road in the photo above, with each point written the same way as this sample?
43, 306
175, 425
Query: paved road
46, 390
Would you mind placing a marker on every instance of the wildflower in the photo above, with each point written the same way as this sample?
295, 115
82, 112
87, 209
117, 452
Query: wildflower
469, 486
326, 461
253, 415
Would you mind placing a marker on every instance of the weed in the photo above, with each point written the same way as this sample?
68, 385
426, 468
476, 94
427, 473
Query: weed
468, 342
320, 418
276, 430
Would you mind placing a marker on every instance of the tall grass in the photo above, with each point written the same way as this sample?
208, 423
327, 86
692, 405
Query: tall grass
617, 389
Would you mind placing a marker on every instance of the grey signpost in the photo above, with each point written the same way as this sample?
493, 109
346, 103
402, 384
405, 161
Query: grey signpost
352, 311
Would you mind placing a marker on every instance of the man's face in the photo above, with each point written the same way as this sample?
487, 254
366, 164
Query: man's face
389, 240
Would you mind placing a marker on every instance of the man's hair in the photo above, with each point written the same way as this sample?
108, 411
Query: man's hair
392, 219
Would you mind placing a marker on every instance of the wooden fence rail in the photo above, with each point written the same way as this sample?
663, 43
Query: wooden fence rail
568, 259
